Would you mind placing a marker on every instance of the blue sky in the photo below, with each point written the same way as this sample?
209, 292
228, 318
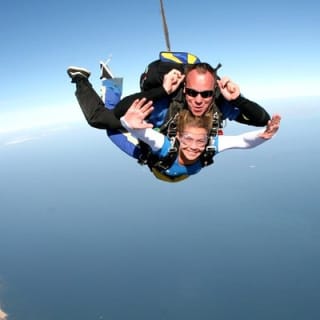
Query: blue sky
270, 48
79, 219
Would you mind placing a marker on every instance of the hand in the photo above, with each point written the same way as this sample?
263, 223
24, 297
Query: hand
272, 127
172, 80
136, 114
228, 88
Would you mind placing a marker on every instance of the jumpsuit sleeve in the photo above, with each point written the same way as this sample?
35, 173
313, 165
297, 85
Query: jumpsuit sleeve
251, 113
246, 140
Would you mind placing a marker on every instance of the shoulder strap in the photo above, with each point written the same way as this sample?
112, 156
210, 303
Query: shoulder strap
206, 157
175, 106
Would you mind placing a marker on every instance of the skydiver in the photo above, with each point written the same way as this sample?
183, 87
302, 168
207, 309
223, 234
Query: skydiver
192, 135
200, 77
171, 81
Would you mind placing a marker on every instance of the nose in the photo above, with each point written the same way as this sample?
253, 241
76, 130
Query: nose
198, 98
193, 145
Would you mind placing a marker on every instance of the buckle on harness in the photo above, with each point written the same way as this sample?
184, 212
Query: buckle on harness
173, 148
211, 149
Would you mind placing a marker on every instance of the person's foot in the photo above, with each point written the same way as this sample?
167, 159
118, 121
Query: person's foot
78, 73
105, 71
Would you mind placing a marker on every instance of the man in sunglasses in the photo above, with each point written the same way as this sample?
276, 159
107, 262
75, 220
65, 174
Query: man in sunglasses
201, 90
197, 89
226, 94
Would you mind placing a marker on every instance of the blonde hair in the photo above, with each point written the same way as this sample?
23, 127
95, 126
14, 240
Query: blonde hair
186, 118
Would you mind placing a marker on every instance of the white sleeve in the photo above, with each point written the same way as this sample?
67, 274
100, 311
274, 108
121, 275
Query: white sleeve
243, 141
151, 137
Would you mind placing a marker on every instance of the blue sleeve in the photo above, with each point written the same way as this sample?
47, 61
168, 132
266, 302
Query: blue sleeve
159, 112
111, 92
164, 150
228, 110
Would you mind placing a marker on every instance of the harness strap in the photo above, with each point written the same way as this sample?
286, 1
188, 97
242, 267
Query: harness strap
210, 150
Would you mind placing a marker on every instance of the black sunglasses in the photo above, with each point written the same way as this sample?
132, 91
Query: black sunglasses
204, 94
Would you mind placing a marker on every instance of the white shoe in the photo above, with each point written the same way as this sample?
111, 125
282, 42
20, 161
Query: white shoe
78, 71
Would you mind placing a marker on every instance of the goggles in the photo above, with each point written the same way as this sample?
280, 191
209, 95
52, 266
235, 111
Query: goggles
204, 94
189, 139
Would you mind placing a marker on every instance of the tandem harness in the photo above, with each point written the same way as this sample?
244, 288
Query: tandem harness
162, 164
152, 77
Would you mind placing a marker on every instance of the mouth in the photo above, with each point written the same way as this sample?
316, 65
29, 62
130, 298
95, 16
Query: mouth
198, 109
193, 153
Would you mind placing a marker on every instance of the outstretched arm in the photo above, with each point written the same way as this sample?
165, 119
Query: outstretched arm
250, 139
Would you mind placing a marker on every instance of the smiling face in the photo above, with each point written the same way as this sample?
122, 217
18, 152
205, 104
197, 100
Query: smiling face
193, 141
192, 133
199, 90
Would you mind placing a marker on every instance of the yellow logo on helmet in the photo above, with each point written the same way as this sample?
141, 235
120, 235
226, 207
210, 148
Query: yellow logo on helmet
179, 57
